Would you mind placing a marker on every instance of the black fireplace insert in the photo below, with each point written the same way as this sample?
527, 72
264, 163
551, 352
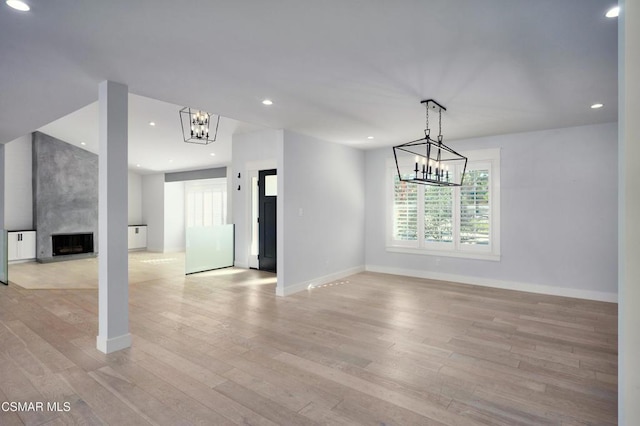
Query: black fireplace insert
64, 244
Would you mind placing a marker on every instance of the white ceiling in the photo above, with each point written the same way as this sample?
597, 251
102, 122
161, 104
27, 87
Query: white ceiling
338, 70
152, 149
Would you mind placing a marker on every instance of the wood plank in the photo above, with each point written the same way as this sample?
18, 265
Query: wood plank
204, 394
18, 389
103, 403
7, 417
422, 408
262, 406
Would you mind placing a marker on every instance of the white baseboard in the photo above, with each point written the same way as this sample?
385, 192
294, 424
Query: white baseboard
12, 262
507, 285
114, 344
295, 288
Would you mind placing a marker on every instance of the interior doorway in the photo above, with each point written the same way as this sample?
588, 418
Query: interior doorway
267, 214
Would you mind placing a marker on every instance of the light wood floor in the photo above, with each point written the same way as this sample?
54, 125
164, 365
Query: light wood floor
83, 273
372, 349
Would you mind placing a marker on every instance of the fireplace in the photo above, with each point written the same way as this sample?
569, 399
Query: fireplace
78, 243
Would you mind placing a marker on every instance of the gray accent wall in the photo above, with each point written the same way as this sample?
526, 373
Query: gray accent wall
218, 172
65, 191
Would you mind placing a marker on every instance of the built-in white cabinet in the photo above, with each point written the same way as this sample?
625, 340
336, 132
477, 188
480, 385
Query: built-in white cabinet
137, 237
21, 245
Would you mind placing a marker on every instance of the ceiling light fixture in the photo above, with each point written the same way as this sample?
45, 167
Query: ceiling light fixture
613, 12
152, 123
429, 161
195, 126
369, 137
83, 143
18, 5
137, 165
267, 102
597, 106
213, 154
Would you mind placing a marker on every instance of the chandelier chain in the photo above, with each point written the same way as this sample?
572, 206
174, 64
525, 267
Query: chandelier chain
427, 115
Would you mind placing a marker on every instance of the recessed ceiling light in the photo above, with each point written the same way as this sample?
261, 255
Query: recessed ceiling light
82, 143
152, 123
369, 137
18, 5
171, 161
611, 13
137, 165
267, 102
213, 154
596, 106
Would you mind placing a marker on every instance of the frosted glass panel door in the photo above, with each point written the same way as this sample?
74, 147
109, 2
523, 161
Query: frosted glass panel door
209, 240
4, 267
209, 247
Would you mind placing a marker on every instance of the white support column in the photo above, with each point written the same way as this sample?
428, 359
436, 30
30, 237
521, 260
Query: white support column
629, 214
3, 253
113, 282
2, 184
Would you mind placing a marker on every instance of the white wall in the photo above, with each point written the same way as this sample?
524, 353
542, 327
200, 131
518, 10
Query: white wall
558, 216
135, 199
18, 203
322, 189
174, 226
251, 152
153, 210
629, 199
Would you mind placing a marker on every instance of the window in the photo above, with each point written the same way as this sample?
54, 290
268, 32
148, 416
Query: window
449, 221
474, 208
206, 202
405, 211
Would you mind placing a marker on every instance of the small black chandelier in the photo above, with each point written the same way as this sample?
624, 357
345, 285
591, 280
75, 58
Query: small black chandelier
195, 126
427, 161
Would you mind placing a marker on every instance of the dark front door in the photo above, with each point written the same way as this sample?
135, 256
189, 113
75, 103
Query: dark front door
267, 196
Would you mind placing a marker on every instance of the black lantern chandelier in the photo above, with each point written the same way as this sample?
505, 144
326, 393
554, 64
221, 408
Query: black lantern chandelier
427, 161
195, 126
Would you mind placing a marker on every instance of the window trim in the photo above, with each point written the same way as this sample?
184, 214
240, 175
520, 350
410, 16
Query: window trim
477, 158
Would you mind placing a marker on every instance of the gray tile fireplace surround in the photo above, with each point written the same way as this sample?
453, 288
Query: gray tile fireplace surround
65, 192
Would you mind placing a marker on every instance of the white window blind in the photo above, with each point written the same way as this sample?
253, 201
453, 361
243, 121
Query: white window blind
405, 211
438, 217
206, 203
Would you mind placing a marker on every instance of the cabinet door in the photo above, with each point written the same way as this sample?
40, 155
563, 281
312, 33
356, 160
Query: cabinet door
137, 237
131, 237
12, 246
27, 246
141, 239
